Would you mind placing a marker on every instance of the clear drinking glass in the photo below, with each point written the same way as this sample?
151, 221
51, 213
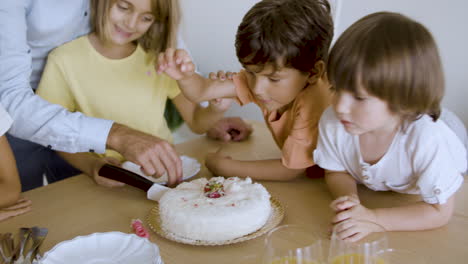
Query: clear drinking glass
293, 244
366, 251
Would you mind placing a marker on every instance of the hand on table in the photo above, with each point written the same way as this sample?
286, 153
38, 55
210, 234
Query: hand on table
230, 129
354, 230
177, 64
22, 206
214, 160
353, 221
156, 156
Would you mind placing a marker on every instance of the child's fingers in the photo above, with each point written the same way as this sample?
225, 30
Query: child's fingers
345, 205
212, 76
356, 236
345, 230
337, 201
5, 214
21, 203
187, 67
341, 216
181, 56
169, 57
230, 75
340, 227
161, 66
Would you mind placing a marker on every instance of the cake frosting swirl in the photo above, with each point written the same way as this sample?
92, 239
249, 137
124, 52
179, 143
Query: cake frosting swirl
218, 209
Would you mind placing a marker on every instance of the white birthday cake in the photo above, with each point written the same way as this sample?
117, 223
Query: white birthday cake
216, 210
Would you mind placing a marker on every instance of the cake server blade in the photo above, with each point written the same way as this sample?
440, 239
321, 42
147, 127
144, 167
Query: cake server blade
154, 191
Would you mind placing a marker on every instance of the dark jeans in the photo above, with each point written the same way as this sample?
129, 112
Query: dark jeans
34, 160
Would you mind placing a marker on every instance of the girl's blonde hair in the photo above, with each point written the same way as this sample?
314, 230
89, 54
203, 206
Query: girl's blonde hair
393, 58
161, 35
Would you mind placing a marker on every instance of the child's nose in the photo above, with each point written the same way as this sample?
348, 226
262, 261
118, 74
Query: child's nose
132, 21
340, 103
259, 87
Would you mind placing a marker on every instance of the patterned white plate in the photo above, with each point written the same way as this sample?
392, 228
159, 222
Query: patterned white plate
190, 168
103, 248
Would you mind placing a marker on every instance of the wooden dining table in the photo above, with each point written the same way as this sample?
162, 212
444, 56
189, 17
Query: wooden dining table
77, 206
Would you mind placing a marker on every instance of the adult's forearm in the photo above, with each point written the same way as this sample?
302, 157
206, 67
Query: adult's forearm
51, 125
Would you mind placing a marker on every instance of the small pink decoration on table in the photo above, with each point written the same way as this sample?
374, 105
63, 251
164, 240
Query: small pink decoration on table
139, 229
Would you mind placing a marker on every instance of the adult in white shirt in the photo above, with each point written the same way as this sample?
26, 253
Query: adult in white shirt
30, 30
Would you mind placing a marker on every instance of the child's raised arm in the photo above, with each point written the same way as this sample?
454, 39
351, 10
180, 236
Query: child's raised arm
178, 65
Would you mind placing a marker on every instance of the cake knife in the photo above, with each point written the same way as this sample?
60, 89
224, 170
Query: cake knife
154, 191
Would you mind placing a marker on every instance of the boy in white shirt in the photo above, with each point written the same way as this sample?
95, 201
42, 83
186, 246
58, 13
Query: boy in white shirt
383, 130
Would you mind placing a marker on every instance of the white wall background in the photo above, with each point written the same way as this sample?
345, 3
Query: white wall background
209, 28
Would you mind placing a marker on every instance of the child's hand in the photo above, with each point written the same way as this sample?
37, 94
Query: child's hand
177, 64
221, 75
344, 203
102, 180
354, 230
355, 212
230, 129
220, 105
213, 161
22, 206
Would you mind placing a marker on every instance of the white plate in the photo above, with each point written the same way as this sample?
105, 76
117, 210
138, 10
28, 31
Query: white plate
104, 248
190, 168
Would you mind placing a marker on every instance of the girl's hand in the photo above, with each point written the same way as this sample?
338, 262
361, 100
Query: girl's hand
213, 161
22, 206
177, 64
353, 230
102, 180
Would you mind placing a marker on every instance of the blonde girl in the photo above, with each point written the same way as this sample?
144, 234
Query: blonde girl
110, 74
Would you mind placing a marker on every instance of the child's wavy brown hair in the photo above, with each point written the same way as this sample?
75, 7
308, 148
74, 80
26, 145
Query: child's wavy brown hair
393, 58
285, 33
161, 35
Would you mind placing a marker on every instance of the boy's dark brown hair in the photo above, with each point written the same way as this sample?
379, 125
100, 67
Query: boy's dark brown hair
285, 33
393, 58
160, 36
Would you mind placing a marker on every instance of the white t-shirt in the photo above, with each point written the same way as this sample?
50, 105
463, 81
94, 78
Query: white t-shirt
427, 158
5, 121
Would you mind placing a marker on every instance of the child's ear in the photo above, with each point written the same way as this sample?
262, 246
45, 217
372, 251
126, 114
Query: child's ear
317, 72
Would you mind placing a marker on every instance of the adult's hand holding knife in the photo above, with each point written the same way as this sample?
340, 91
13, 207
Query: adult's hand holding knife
154, 191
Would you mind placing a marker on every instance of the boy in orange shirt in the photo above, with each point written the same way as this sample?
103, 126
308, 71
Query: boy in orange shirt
283, 47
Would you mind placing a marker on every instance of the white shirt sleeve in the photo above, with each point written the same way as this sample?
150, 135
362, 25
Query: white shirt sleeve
34, 118
326, 154
439, 159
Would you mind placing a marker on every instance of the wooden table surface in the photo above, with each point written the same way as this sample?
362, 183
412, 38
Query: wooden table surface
77, 206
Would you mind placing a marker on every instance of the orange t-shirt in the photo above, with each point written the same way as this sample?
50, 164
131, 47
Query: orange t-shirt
296, 130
